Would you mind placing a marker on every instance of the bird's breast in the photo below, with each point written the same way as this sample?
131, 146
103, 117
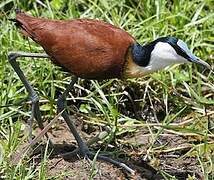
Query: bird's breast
131, 69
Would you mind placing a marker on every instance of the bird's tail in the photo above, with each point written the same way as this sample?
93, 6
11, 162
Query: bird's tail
23, 21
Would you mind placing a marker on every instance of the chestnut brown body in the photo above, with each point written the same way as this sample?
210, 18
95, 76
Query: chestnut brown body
87, 48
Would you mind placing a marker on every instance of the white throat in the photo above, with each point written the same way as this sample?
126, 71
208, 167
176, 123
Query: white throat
163, 55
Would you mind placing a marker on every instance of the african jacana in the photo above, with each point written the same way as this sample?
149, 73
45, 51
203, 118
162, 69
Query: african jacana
93, 49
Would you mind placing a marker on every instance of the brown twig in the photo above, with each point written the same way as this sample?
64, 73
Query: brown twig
17, 156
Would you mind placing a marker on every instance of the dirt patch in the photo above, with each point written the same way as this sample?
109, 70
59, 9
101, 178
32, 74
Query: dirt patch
82, 169
131, 149
77, 168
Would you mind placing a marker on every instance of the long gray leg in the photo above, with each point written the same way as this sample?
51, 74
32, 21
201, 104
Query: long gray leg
35, 112
83, 148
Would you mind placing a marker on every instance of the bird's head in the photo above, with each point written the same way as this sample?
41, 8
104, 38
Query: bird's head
159, 54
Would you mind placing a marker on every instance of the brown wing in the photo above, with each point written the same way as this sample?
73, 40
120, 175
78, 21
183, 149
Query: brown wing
90, 49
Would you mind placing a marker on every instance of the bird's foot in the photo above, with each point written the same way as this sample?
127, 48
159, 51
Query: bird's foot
85, 153
112, 161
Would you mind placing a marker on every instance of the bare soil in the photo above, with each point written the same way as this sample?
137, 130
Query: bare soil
77, 168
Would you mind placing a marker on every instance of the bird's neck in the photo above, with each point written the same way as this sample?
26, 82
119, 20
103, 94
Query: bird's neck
137, 58
141, 54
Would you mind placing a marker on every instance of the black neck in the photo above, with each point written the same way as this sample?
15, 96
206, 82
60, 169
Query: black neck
141, 54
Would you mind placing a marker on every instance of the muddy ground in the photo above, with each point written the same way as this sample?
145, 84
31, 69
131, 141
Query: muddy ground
160, 163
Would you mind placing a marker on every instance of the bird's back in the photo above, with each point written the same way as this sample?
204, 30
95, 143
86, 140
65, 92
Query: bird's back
90, 49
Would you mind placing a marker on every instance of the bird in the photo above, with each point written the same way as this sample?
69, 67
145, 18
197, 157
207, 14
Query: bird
95, 50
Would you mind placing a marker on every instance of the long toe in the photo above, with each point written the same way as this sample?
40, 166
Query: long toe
112, 161
83, 152
70, 155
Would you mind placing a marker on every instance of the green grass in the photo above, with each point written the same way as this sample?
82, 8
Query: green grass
183, 93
